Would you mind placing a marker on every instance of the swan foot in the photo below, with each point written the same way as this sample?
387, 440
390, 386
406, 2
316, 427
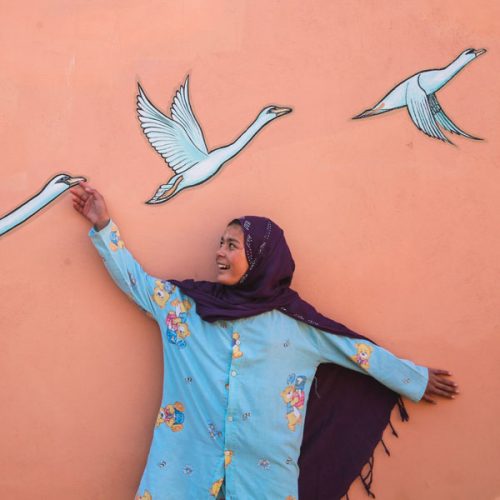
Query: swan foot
165, 192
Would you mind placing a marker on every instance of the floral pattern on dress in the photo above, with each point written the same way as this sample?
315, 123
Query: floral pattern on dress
213, 432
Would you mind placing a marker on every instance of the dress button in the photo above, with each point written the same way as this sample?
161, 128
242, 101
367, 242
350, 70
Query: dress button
233, 373
230, 418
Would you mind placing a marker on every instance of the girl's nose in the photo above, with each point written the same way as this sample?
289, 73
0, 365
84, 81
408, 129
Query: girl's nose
220, 252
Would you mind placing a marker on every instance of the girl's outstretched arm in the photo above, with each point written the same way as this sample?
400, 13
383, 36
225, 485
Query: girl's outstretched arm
413, 381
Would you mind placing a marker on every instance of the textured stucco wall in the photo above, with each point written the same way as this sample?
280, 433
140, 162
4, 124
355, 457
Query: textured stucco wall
393, 233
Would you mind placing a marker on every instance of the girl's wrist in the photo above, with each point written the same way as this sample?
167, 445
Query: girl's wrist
101, 224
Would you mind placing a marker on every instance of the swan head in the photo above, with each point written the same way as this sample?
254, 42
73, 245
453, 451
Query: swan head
470, 54
66, 180
269, 113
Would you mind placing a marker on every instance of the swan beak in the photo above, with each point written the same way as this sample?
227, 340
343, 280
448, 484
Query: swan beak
72, 181
479, 52
281, 111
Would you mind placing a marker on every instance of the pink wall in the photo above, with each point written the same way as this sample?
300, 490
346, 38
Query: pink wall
393, 233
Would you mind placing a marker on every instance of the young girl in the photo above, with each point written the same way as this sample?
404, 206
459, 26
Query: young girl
241, 356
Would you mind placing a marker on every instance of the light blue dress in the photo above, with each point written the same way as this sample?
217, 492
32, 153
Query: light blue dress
235, 392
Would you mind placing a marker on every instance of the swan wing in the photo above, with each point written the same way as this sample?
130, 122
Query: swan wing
183, 114
444, 121
167, 136
420, 111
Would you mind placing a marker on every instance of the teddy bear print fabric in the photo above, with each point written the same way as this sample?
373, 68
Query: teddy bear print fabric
234, 395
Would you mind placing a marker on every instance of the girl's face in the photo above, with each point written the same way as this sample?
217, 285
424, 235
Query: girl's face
231, 260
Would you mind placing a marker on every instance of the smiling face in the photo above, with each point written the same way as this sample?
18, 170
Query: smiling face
230, 258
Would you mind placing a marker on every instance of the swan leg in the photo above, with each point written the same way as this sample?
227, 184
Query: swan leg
167, 191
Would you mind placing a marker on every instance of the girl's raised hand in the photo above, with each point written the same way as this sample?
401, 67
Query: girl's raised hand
90, 204
439, 385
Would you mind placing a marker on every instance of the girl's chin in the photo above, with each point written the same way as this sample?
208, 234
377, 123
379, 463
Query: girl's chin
223, 279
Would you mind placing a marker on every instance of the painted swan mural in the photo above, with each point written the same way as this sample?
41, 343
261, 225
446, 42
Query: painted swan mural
179, 140
418, 94
53, 189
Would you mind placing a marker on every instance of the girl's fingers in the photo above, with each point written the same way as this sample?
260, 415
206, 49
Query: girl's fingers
447, 383
441, 392
74, 195
440, 372
439, 385
80, 196
97, 195
78, 201
78, 189
447, 388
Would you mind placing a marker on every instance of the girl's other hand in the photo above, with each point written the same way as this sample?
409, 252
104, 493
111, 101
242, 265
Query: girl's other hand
90, 203
439, 385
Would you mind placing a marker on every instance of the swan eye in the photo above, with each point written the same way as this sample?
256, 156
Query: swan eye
469, 51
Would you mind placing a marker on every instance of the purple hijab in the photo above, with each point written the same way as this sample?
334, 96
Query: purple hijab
347, 411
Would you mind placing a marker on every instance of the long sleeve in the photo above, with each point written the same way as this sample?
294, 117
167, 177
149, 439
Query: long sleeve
400, 375
126, 272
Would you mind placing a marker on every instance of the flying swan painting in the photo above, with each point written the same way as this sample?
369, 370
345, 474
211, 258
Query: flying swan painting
53, 189
179, 140
418, 94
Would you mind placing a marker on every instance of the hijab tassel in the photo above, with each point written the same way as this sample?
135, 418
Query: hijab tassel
402, 410
368, 477
385, 447
394, 433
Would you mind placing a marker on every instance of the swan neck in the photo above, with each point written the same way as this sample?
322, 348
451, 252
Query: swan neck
234, 148
452, 69
30, 208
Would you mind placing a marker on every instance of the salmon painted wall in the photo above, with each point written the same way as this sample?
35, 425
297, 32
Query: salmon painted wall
394, 233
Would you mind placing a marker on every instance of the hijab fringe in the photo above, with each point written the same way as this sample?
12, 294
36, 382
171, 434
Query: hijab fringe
402, 410
367, 479
385, 448
394, 433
